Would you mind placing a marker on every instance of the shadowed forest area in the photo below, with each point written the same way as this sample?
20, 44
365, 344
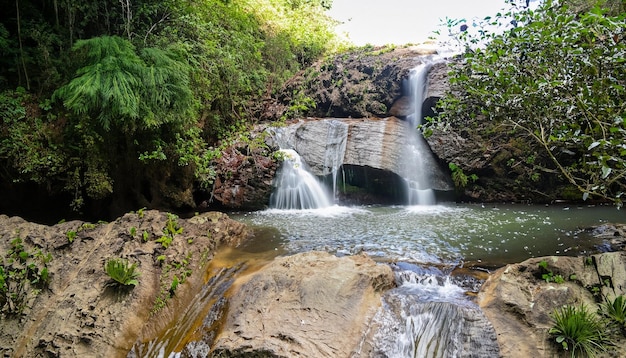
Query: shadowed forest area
112, 106
101, 100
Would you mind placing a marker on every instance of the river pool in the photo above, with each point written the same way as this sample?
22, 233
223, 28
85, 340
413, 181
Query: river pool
450, 234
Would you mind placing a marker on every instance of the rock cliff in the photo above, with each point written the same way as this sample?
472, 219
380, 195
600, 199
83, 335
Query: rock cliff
374, 143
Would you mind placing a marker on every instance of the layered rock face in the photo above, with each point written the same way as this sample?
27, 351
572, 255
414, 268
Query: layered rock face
372, 142
307, 305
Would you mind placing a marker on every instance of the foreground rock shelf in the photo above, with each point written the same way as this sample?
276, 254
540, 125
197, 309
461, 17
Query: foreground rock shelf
309, 305
79, 315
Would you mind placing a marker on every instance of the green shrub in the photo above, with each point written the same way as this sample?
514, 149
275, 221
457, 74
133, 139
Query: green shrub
578, 331
615, 310
121, 272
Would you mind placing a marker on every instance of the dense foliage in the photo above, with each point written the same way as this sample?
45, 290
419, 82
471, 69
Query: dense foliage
554, 81
101, 97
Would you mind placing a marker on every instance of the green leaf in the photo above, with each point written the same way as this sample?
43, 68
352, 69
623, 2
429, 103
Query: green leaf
593, 145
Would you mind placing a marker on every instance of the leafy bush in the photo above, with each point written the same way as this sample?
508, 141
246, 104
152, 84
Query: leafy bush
121, 272
578, 331
556, 81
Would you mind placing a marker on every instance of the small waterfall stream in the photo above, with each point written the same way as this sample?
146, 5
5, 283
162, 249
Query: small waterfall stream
428, 315
336, 142
296, 188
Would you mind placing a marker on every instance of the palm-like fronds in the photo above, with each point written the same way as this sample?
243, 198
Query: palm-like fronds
118, 87
121, 272
578, 331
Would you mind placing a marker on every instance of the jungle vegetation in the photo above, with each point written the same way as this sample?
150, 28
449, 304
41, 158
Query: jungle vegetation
553, 87
97, 98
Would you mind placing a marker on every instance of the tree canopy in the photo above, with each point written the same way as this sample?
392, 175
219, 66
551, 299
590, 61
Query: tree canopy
95, 93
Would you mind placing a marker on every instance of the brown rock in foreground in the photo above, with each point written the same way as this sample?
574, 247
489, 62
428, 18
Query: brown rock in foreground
78, 315
519, 302
307, 305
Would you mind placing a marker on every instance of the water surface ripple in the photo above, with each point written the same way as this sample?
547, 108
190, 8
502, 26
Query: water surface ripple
437, 234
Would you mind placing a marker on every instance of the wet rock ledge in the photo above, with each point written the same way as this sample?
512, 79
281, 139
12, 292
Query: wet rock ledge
78, 314
307, 305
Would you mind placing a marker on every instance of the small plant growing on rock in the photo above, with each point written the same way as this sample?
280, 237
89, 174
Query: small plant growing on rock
71, 236
122, 273
615, 311
459, 177
578, 331
22, 276
548, 275
170, 230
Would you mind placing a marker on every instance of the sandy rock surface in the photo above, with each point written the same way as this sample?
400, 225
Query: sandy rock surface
78, 314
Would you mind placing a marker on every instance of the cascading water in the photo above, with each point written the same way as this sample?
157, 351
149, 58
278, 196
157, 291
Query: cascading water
197, 325
428, 315
295, 187
416, 172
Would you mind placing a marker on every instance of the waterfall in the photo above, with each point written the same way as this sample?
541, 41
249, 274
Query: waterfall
416, 171
296, 187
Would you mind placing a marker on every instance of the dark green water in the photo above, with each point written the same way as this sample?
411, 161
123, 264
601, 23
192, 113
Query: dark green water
491, 235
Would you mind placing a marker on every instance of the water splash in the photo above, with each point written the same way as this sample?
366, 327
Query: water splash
296, 188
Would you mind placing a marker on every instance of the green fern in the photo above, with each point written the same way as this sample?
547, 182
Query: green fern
129, 90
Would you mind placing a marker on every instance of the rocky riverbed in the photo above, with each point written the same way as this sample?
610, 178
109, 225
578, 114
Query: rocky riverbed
309, 305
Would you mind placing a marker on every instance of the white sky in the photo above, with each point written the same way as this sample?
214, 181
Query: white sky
380, 22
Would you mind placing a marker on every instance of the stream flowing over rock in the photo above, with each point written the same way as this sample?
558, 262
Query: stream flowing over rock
371, 143
80, 314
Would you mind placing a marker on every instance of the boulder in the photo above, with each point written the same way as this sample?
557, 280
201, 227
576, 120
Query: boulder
306, 305
519, 300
